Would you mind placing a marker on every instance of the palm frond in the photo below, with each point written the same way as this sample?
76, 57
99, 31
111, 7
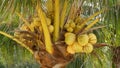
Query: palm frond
12, 55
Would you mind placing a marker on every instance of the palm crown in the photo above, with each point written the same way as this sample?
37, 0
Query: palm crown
63, 27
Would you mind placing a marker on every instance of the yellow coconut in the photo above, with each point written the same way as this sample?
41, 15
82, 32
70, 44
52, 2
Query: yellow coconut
77, 28
82, 39
77, 47
79, 20
70, 49
48, 21
72, 24
70, 38
51, 28
70, 29
92, 38
66, 25
88, 48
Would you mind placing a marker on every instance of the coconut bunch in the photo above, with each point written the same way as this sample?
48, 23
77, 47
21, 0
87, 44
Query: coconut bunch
54, 36
78, 33
31, 33
47, 25
80, 43
77, 36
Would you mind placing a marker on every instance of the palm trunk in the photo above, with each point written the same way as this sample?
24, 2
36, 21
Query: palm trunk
59, 59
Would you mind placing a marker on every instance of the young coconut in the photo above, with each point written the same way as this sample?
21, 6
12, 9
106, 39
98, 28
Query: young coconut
69, 26
77, 47
66, 25
78, 19
88, 48
70, 38
51, 28
92, 38
72, 24
77, 28
82, 39
70, 29
70, 49
48, 21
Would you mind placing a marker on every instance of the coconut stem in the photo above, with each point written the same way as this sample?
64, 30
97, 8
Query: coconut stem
56, 20
63, 14
46, 32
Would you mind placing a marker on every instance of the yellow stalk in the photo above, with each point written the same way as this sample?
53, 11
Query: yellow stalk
72, 11
63, 14
24, 20
95, 14
49, 5
16, 40
48, 42
91, 24
56, 20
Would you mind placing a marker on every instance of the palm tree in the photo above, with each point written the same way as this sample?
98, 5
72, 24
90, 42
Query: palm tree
44, 28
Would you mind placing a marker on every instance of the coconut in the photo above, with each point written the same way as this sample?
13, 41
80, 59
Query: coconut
88, 48
72, 24
70, 29
51, 28
92, 38
70, 38
48, 21
77, 47
70, 49
82, 39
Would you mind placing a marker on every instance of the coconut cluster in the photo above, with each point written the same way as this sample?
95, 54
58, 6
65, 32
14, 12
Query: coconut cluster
36, 23
70, 26
34, 27
74, 25
80, 43
50, 26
